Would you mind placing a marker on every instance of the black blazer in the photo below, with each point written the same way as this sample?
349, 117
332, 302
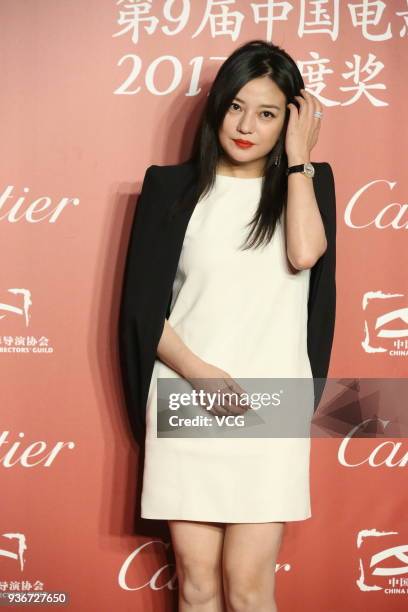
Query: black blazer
155, 245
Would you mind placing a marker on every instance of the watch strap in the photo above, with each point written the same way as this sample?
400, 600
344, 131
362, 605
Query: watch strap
297, 168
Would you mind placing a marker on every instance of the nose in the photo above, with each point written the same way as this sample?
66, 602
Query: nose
246, 124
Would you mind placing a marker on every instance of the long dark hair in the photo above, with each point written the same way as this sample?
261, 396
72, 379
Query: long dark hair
253, 59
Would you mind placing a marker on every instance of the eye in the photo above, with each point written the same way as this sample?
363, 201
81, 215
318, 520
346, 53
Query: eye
269, 113
235, 104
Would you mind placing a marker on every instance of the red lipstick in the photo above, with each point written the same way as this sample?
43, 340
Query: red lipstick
243, 144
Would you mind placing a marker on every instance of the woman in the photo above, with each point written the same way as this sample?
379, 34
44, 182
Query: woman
207, 302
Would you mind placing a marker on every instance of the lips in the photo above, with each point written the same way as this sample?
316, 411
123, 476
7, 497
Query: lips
243, 144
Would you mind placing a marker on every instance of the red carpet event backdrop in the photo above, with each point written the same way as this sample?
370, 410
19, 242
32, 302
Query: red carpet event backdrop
92, 94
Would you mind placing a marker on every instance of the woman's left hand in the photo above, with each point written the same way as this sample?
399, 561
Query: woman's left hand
303, 128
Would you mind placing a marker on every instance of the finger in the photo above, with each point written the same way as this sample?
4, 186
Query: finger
234, 406
304, 107
292, 108
302, 102
307, 95
317, 106
230, 399
310, 98
240, 391
307, 103
219, 410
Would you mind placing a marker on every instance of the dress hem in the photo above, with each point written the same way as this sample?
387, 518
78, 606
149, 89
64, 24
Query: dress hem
179, 517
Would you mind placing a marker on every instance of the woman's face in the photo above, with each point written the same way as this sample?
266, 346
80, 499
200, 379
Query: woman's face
256, 114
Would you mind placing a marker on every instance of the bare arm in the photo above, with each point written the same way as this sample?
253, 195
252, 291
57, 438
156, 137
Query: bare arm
208, 377
305, 235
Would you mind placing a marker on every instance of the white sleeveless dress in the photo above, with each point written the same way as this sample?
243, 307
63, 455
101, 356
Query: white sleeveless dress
245, 312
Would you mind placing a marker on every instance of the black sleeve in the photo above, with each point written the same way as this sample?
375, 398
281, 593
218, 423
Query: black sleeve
136, 337
322, 290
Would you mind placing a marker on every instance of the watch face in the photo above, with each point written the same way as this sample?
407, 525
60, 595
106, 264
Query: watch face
309, 169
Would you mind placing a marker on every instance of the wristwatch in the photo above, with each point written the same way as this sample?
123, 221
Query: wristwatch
307, 169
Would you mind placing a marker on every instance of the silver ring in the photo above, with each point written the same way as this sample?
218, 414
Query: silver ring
318, 114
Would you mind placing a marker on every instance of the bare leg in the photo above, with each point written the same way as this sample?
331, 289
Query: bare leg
198, 551
249, 559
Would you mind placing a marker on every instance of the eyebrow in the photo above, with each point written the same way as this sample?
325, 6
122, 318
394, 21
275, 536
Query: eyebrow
261, 105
